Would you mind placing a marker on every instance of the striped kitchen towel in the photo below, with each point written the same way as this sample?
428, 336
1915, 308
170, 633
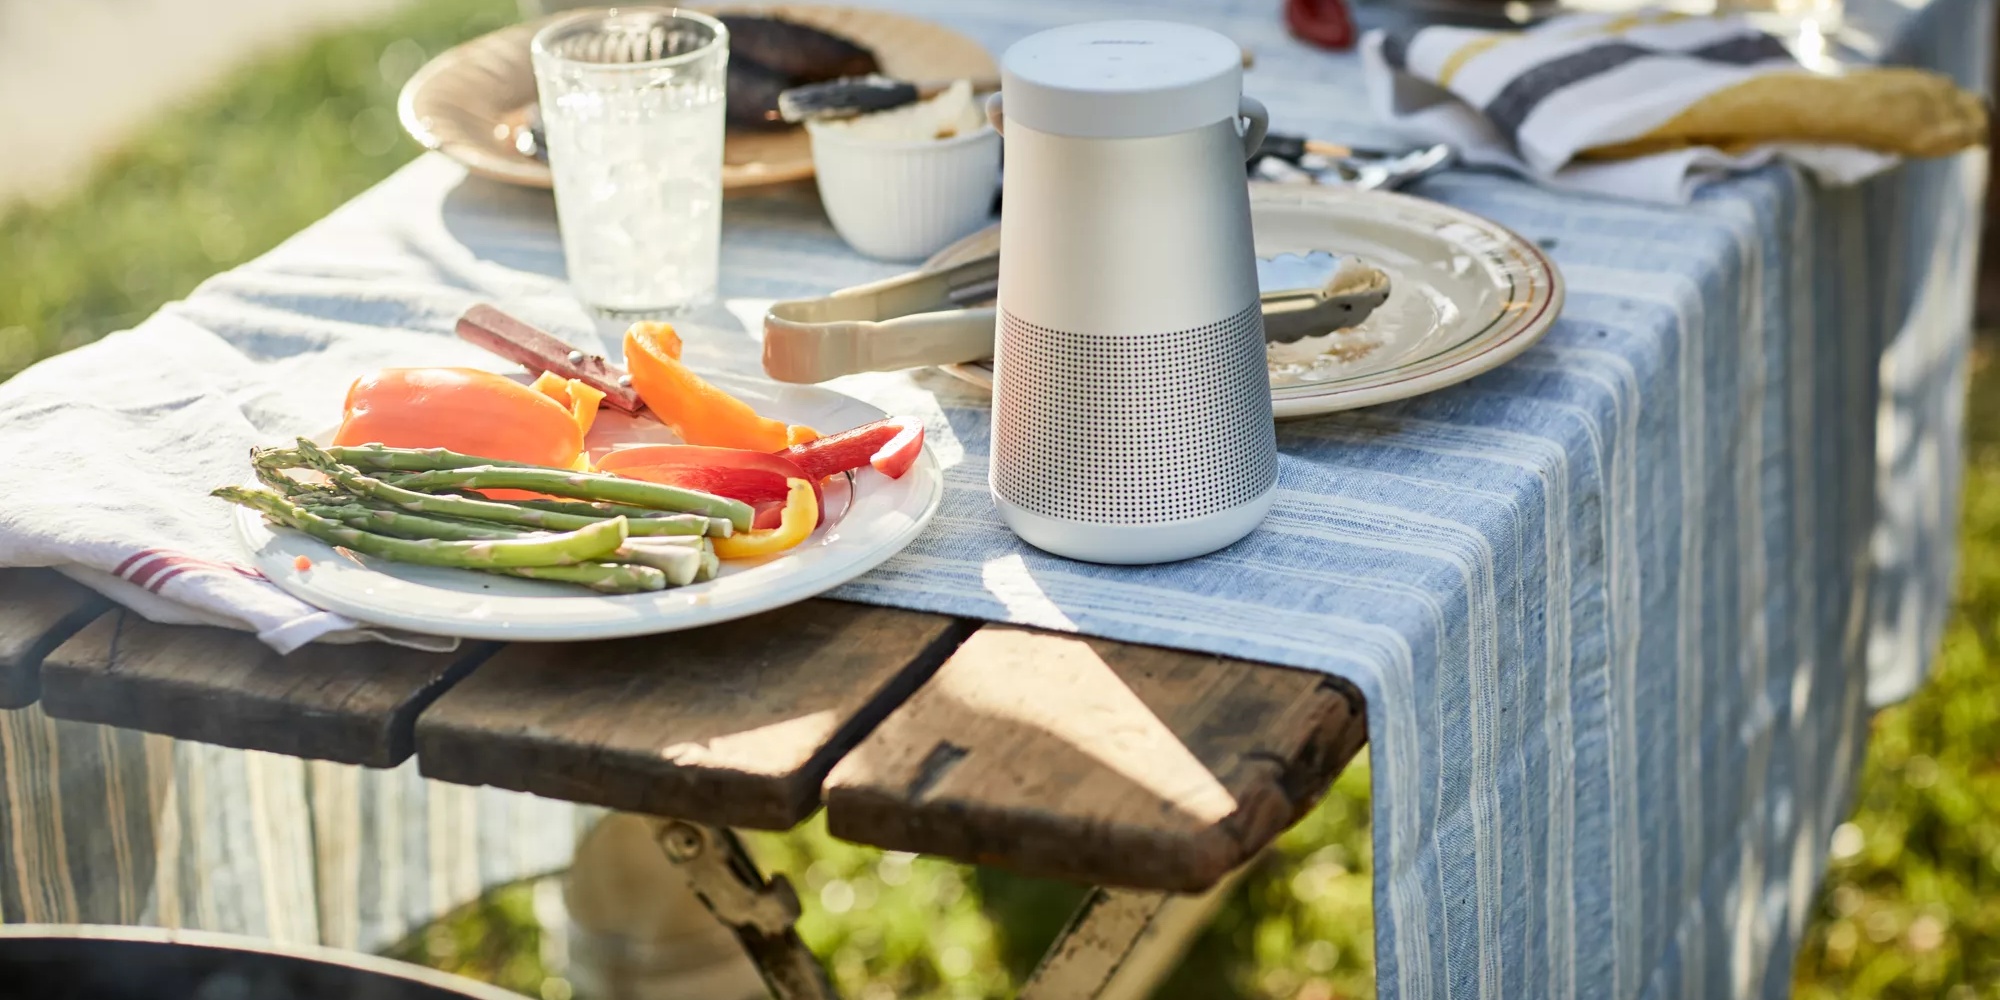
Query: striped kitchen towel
1653, 105
129, 435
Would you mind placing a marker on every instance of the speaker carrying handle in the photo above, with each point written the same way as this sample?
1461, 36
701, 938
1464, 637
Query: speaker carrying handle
1255, 121
1252, 121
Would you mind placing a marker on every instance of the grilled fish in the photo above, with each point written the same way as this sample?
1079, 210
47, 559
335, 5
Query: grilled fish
768, 56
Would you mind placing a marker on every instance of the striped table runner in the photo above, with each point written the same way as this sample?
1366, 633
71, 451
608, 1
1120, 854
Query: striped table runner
105, 825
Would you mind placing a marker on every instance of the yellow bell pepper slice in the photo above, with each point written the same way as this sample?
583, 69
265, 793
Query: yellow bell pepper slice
583, 400
800, 517
579, 398
553, 386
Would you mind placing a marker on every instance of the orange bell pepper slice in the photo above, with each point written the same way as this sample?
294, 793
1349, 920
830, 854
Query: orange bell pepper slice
463, 409
697, 411
801, 515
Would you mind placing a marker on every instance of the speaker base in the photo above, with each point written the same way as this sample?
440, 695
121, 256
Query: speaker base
1136, 544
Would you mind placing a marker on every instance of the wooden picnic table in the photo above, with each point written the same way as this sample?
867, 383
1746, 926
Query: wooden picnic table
1115, 765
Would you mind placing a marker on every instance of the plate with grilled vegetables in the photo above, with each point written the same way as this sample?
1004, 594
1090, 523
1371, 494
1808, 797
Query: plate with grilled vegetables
470, 503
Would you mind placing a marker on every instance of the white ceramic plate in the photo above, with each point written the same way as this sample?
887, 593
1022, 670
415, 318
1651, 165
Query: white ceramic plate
1466, 295
867, 521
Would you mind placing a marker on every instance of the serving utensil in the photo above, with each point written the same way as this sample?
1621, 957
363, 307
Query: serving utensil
861, 95
1307, 295
946, 316
1295, 160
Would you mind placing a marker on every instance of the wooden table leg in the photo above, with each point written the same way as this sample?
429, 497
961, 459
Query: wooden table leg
761, 913
1122, 943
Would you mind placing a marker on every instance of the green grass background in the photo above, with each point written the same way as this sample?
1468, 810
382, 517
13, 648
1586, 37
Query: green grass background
1910, 908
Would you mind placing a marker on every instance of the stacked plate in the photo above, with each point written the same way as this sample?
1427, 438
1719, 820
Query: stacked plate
1466, 295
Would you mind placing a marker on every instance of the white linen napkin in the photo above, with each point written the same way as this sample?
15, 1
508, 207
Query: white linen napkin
1535, 102
107, 454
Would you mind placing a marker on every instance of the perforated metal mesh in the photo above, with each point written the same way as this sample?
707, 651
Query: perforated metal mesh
1132, 430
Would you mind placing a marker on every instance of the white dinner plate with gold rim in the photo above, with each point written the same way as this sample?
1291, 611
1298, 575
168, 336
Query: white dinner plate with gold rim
870, 517
1466, 295
467, 102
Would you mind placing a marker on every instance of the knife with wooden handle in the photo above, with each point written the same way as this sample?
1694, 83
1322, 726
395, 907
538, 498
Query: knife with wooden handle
539, 351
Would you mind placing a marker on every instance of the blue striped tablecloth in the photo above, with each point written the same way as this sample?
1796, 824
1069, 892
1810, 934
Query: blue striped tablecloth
1614, 606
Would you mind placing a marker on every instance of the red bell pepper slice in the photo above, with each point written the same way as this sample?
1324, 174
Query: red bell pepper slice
900, 452
890, 445
1325, 23
767, 514
754, 477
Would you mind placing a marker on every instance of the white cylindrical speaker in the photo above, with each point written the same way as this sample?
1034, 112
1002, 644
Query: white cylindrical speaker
1131, 399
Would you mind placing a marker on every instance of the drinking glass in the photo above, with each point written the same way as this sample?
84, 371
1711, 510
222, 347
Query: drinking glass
632, 103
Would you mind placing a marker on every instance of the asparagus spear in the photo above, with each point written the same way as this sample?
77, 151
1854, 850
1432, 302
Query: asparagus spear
631, 576
614, 496
680, 562
602, 577
392, 519
582, 486
371, 504
402, 525
383, 458
595, 542
313, 457
272, 474
678, 556
592, 508
718, 527
270, 463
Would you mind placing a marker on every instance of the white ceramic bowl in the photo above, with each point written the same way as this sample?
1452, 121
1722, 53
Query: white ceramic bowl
906, 200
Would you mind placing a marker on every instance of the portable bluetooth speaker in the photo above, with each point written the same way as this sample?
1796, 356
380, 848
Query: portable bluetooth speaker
1131, 400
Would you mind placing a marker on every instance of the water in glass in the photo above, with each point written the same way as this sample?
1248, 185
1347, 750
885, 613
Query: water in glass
636, 153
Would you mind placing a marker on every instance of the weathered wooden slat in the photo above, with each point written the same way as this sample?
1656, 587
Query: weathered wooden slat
39, 608
731, 725
1096, 761
355, 703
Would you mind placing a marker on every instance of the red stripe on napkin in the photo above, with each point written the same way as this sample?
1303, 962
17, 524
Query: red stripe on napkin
134, 557
152, 568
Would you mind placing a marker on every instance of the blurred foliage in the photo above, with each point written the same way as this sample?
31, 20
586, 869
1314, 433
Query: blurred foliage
1911, 907
495, 939
285, 139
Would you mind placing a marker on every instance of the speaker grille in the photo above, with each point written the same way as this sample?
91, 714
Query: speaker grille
1135, 429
